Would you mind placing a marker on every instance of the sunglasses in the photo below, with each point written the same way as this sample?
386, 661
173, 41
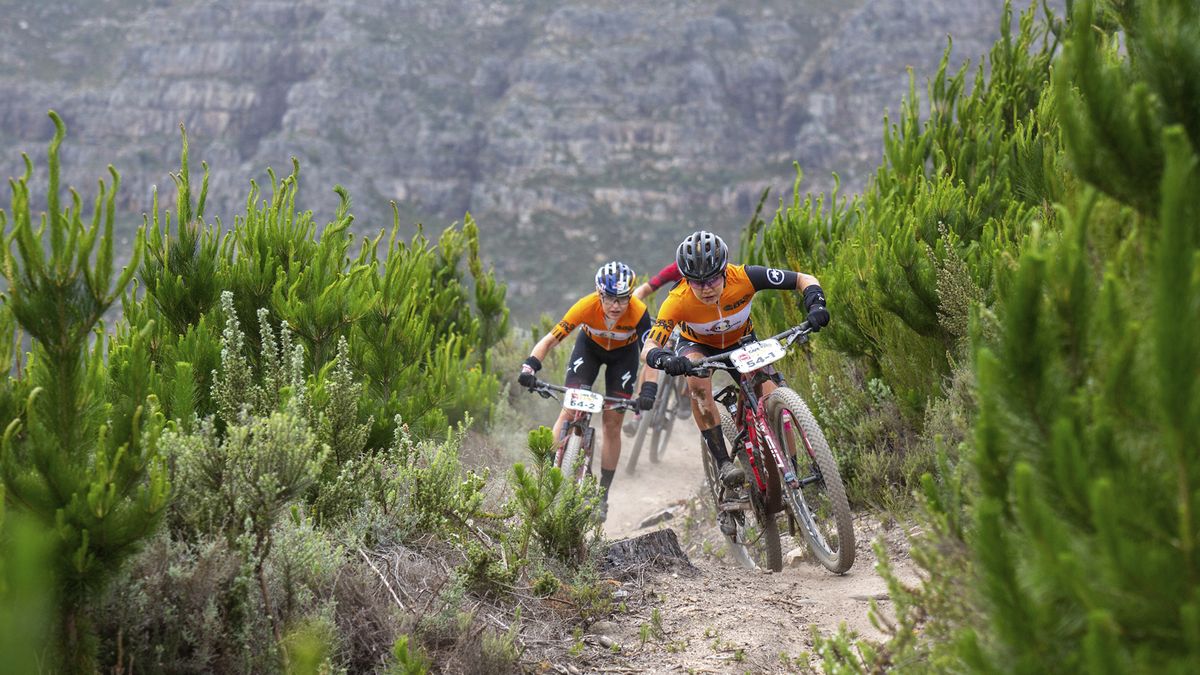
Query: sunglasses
615, 299
705, 285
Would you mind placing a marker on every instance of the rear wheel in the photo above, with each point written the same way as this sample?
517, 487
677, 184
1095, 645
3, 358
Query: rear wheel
664, 420
732, 522
771, 544
768, 524
743, 520
819, 504
645, 424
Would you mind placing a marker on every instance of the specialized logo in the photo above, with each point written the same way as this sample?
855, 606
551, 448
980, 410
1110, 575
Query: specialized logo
775, 276
575, 365
625, 379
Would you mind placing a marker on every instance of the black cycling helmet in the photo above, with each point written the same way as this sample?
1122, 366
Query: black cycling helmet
701, 256
615, 279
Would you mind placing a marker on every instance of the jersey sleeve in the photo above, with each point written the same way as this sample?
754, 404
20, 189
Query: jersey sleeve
764, 278
666, 275
571, 319
664, 324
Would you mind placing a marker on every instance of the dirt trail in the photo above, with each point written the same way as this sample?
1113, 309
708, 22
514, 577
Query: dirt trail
704, 616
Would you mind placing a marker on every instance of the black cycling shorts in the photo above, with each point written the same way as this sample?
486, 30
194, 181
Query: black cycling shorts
620, 372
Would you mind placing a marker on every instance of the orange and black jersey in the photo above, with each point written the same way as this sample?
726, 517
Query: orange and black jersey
723, 324
589, 314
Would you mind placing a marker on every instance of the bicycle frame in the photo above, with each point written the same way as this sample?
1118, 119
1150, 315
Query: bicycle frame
750, 414
763, 452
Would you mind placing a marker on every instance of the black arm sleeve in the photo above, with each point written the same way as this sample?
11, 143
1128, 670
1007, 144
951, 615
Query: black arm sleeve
769, 277
643, 329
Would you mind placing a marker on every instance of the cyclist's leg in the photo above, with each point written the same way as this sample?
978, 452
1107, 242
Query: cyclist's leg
708, 416
582, 368
620, 375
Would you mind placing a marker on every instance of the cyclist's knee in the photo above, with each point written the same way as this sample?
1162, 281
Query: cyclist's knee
698, 387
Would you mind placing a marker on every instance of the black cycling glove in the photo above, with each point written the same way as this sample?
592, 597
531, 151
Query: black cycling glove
645, 399
531, 365
814, 306
666, 361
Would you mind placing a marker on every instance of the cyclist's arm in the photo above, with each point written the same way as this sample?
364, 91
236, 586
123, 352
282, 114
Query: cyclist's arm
560, 331
769, 278
665, 276
659, 333
543, 347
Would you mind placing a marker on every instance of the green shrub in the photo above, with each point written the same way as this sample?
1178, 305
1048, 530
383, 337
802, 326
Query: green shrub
1068, 542
937, 228
82, 465
554, 510
427, 486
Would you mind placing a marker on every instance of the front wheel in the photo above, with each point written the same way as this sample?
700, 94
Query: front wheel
569, 460
819, 503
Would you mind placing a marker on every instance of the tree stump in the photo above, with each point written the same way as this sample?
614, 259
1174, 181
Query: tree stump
654, 550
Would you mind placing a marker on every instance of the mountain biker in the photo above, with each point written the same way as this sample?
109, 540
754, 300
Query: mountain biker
613, 324
711, 306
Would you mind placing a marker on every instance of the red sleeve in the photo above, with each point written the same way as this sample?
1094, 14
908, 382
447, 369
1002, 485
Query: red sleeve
666, 275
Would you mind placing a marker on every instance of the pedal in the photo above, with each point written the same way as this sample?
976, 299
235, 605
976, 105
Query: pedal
735, 503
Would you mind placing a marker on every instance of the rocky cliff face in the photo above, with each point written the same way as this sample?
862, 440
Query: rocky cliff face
573, 131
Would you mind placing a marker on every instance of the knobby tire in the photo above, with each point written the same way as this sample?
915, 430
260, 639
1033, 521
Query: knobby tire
835, 555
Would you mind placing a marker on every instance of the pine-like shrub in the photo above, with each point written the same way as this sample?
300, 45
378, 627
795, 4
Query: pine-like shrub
81, 464
935, 229
1067, 543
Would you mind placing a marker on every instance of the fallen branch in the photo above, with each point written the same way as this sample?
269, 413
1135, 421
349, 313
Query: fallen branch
383, 578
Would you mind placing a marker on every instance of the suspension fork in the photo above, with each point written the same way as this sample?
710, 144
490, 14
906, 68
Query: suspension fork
578, 421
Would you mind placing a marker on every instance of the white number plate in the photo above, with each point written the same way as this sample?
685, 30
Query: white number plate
756, 355
582, 399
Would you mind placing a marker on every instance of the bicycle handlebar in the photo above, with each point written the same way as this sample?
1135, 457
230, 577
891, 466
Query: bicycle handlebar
705, 366
546, 390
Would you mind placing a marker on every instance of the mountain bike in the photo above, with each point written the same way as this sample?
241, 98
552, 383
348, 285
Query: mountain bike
789, 465
672, 403
574, 449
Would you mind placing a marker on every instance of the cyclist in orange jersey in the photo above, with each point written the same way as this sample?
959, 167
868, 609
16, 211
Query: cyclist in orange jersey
711, 307
613, 324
